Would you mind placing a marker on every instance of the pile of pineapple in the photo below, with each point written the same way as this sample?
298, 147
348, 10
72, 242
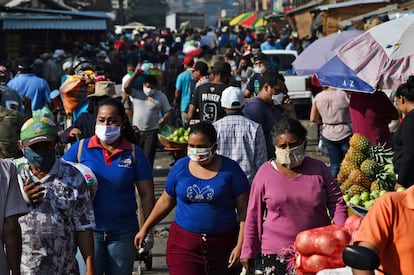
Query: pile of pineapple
365, 169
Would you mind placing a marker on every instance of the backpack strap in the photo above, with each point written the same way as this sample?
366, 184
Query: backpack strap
80, 148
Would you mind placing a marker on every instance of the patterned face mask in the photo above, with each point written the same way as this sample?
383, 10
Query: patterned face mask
200, 154
292, 157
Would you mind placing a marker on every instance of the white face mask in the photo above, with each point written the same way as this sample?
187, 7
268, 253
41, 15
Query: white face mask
292, 157
259, 69
107, 134
277, 99
200, 154
148, 91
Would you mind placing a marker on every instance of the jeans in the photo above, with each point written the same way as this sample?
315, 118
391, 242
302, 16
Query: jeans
115, 251
337, 151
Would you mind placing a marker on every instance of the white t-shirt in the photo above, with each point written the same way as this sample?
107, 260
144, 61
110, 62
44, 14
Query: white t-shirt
147, 109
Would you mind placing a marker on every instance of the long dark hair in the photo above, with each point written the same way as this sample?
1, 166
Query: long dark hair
406, 89
126, 128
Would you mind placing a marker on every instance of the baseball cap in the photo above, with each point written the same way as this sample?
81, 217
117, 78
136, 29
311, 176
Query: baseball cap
67, 65
188, 61
58, 53
232, 98
222, 68
38, 129
259, 56
202, 67
104, 88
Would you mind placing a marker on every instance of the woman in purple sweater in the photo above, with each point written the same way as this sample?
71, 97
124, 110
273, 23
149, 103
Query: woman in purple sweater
289, 194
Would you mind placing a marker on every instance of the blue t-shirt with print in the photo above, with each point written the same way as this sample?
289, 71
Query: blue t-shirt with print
206, 205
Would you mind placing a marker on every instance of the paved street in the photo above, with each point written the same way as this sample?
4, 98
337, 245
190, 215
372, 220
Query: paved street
161, 168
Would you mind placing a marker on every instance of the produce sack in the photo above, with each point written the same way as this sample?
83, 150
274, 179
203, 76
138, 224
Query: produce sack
352, 223
321, 248
75, 90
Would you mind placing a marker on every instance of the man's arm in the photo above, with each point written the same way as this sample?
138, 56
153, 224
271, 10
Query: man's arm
13, 243
86, 246
191, 111
176, 100
130, 82
165, 116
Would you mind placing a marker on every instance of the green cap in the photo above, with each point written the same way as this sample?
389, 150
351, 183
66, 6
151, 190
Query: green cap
38, 129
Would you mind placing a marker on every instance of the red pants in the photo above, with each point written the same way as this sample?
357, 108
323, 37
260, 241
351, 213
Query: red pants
199, 254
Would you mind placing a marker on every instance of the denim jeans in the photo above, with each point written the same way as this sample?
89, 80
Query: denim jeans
337, 151
115, 251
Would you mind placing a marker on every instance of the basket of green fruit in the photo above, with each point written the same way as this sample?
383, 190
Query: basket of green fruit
177, 139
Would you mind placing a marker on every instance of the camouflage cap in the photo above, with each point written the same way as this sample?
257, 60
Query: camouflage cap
38, 129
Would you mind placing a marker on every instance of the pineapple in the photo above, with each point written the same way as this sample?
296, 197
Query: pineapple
345, 186
357, 157
348, 154
345, 170
358, 178
375, 185
385, 181
370, 168
356, 189
360, 143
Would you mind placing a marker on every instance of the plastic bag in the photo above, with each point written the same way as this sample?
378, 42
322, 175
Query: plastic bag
165, 130
75, 90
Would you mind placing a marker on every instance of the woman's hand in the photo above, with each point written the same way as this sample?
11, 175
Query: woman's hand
234, 257
139, 239
248, 264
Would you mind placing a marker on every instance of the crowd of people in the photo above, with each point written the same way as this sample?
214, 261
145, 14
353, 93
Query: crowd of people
242, 193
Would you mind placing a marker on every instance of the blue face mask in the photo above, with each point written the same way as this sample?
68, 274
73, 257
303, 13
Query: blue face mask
39, 159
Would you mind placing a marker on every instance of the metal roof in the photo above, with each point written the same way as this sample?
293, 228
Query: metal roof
348, 22
53, 23
305, 7
349, 4
86, 14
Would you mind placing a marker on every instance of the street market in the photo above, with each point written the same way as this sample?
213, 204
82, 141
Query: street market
266, 138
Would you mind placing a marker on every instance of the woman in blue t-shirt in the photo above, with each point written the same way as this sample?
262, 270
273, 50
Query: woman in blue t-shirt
120, 166
207, 232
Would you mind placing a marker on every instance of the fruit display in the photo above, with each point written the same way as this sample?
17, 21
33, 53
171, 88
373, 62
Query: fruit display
179, 135
366, 172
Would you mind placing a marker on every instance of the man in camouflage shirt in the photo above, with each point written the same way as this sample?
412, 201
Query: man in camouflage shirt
61, 215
